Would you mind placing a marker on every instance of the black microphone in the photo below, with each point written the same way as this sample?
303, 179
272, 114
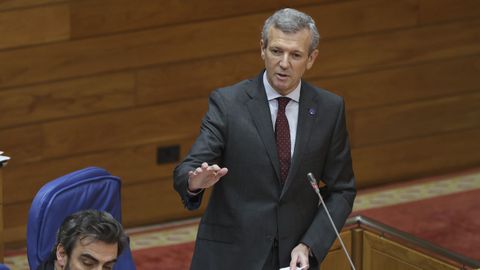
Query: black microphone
313, 183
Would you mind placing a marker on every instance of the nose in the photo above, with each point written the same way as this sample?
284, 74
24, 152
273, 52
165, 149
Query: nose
284, 61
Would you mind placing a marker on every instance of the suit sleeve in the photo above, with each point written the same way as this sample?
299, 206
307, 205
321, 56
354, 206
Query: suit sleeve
208, 147
338, 194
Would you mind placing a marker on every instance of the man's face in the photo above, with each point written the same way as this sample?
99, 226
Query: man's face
287, 58
87, 254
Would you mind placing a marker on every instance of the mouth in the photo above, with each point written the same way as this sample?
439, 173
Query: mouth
281, 76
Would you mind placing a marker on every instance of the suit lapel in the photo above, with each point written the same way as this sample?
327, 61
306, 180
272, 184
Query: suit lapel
260, 113
307, 113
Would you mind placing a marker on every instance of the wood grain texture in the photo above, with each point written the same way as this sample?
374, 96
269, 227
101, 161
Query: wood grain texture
395, 48
432, 11
155, 208
200, 77
416, 158
405, 84
333, 18
16, 4
67, 99
114, 130
335, 258
34, 26
133, 165
381, 253
93, 17
23, 143
156, 46
380, 125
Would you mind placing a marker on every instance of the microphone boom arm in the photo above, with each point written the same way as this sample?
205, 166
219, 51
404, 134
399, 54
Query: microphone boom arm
314, 184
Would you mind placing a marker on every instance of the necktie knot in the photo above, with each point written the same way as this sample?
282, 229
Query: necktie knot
282, 103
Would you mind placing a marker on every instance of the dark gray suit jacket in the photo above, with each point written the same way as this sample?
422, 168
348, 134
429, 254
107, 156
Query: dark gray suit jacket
248, 208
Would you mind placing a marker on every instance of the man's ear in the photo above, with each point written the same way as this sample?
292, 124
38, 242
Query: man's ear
61, 255
311, 58
262, 49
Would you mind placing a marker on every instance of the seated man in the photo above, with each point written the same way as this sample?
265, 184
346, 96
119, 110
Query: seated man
89, 239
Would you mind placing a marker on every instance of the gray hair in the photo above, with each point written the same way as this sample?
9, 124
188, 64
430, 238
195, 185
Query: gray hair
289, 20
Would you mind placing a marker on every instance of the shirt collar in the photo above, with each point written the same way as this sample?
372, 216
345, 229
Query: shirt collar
273, 94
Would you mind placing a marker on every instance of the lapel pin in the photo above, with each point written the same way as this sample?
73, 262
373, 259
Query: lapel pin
312, 111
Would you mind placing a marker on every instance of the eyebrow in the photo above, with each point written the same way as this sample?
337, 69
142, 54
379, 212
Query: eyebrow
88, 256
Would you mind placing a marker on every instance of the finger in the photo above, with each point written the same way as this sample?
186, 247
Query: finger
304, 265
222, 172
215, 167
204, 165
293, 262
198, 170
303, 261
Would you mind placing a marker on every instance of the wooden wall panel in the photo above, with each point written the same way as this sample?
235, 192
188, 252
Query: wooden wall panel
333, 19
145, 196
67, 99
37, 25
133, 165
93, 17
26, 142
405, 83
418, 157
143, 48
432, 11
394, 48
15, 4
160, 84
423, 118
15, 224
101, 132
124, 128
130, 50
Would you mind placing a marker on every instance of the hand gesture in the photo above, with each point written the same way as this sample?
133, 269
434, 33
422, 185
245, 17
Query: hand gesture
205, 176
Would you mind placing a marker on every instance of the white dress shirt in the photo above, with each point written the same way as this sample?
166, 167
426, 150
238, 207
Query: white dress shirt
291, 111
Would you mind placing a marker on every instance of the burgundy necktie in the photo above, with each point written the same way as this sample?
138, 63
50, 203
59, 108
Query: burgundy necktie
282, 136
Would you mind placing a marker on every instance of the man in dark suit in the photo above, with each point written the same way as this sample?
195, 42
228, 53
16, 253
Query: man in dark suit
258, 141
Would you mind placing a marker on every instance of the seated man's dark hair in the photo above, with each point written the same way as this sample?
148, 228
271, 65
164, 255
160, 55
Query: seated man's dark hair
91, 224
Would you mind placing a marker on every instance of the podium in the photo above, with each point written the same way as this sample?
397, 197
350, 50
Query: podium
375, 246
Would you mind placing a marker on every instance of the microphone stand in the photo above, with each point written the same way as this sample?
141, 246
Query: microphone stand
314, 184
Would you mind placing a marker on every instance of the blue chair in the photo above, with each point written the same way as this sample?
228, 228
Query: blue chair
3, 267
89, 188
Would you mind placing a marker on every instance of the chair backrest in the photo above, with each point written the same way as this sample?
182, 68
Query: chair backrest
89, 188
3, 267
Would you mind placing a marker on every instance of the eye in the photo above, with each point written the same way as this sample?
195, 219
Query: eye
275, 51
297, 56
88, 263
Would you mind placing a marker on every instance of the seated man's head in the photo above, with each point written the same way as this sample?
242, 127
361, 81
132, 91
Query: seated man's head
89, 239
